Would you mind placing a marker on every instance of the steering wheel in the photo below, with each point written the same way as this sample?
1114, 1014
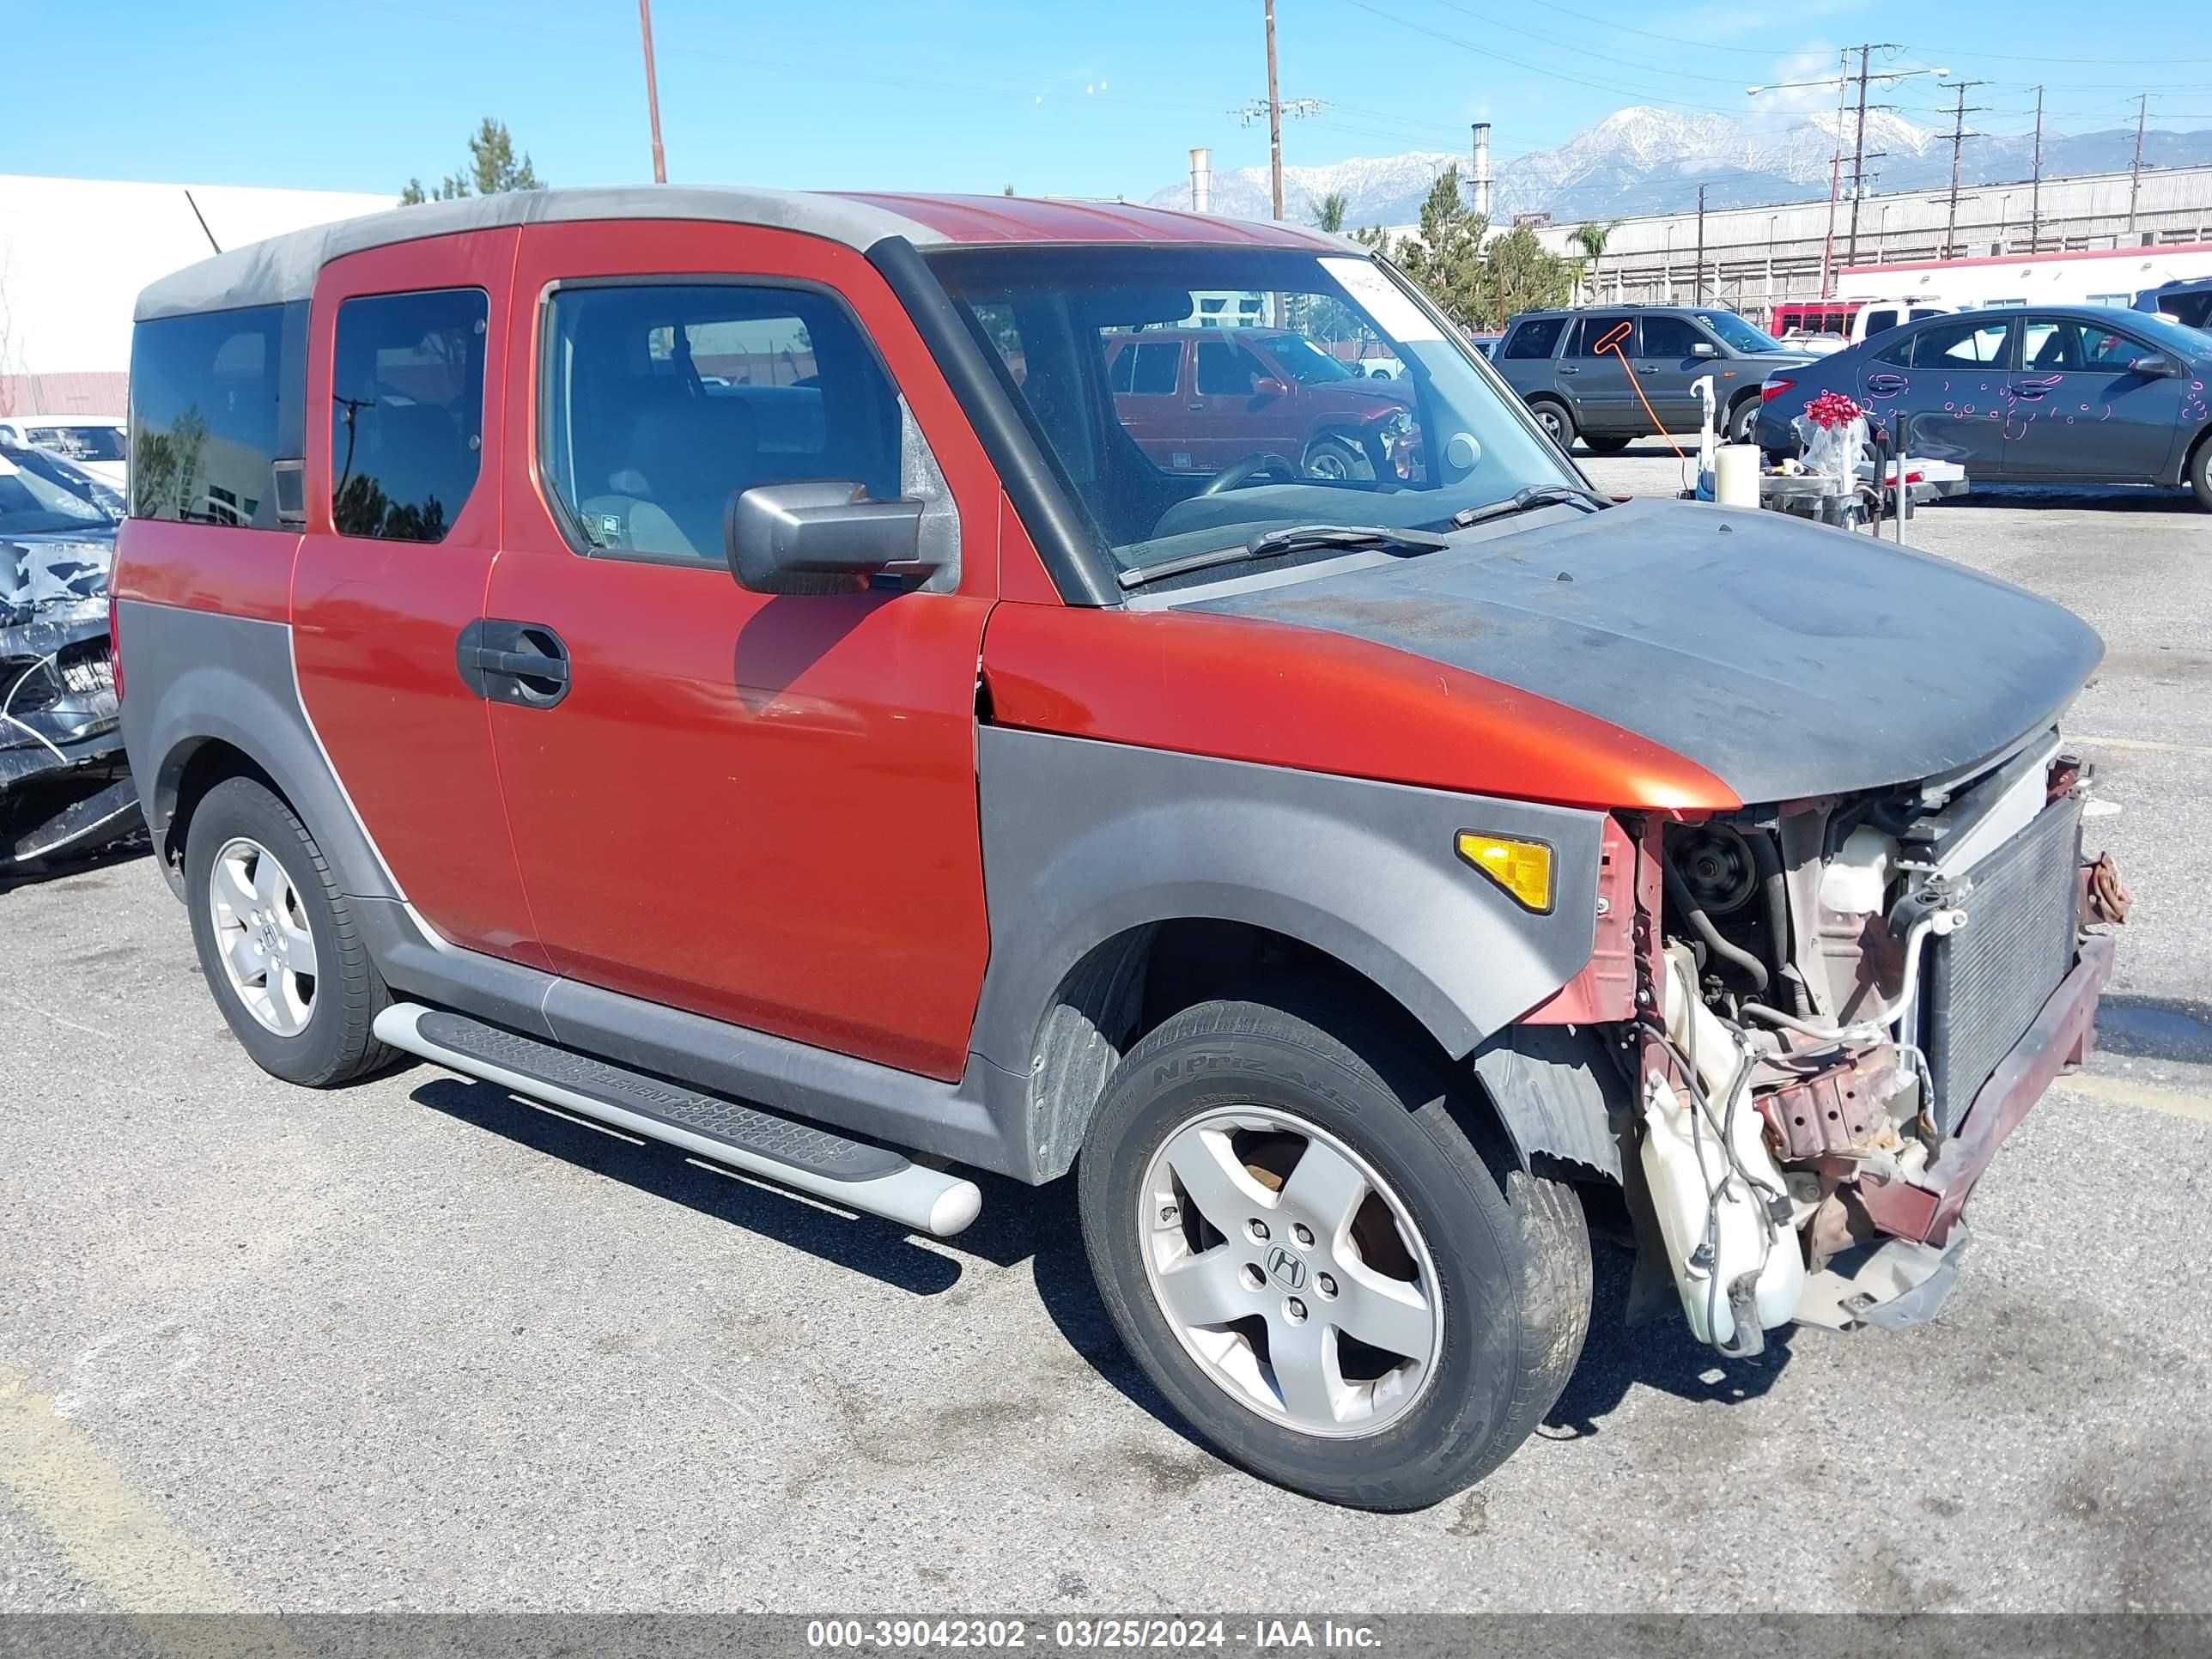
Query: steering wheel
1243, 472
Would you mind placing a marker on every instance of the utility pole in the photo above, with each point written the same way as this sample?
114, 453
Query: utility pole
1835, 183
2135, 171
1958, 137
653, 93
1858, 146
2035, 190
1275, 119
1697, 289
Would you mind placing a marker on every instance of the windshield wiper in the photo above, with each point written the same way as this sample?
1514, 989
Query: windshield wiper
1522, 501
1293, 538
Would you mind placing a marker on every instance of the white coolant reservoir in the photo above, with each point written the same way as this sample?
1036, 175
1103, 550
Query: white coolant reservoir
1857, 879
1738, 1268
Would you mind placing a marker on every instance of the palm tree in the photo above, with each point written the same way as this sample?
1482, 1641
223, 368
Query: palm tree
1591, 239
1328, 213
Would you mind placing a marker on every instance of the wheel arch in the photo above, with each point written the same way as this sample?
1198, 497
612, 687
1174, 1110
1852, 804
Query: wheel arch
1104, 862
211, 696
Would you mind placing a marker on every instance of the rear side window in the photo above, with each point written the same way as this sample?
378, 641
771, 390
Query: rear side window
406, 412
1970, 343
664, 400
1537, 337
1614, 333
217, 398
1158, 365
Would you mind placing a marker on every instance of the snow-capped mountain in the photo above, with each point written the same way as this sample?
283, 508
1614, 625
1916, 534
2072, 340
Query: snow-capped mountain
1642, 160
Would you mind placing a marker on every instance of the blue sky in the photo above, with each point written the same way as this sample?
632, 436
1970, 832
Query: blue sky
970, 94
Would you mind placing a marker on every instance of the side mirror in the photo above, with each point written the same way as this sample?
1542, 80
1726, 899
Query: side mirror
1704, 348
2160, 367
780, 538
1268, 386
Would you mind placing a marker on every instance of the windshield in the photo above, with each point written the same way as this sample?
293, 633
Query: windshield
80, 443
41, 496
1737, 332
1179, 436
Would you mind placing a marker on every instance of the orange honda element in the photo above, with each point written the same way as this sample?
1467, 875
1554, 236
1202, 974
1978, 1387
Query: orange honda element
722, 663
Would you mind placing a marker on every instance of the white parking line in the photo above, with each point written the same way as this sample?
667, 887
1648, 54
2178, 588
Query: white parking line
2149, 743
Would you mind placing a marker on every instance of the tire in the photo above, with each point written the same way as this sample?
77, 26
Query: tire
1335, 457
1503, 1276
2200, 473
1606, 446
1743, 422
332, 993
1553, 415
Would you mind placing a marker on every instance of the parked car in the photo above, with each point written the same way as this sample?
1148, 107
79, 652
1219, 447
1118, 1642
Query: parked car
1197, 398
1553, 359
64, 787
2188, 301
96, 443
1820, 327
1340, 876
2072, 394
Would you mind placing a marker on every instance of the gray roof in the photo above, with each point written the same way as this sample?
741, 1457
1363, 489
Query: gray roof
284, 268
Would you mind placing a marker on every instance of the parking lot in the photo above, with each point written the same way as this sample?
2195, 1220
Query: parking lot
415, 1344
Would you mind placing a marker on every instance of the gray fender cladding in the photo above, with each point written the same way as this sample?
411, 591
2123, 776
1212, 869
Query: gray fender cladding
195, 677
1083, 840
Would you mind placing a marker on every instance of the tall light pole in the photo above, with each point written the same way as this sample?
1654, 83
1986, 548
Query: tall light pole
653, 93
1275, 119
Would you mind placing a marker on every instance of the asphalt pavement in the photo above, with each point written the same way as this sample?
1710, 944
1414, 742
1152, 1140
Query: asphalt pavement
415, 1345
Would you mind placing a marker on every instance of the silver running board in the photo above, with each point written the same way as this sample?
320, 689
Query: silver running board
800, 1155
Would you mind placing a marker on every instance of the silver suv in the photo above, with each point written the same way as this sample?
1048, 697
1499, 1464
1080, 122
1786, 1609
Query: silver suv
1572, 369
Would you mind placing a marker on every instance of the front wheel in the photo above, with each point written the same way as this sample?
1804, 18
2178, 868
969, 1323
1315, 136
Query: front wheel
1298, 1243
2200, 473
1743, 424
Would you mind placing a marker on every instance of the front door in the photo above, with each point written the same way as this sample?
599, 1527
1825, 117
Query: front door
409, 351
1955, 393
758, 808
2083, 407
1595, 377
1239, 409
1668, 368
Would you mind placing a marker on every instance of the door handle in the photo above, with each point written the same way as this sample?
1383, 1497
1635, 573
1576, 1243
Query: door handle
1569, 368
522, 663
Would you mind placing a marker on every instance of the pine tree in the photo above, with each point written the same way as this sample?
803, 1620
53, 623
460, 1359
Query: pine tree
491, 170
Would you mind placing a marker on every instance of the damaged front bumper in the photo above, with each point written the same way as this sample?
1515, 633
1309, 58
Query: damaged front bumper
1906, 1277
64, 782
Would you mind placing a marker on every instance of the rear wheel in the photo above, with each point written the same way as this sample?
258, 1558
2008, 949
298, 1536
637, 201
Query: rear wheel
1552, 414
2200, 472
277, 941
1301, 1247
1605, 445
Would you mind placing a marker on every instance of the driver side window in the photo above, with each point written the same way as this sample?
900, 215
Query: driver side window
1225, 370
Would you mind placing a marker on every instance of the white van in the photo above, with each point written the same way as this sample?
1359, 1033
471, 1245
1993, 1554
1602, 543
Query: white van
1822, 326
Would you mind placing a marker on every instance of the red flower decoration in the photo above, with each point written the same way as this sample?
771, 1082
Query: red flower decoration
1831, 410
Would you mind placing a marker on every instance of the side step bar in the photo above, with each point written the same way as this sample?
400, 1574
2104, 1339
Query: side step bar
852, 1173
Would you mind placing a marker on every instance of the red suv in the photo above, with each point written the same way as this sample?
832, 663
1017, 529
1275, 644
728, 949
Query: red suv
722, 663
1196, 399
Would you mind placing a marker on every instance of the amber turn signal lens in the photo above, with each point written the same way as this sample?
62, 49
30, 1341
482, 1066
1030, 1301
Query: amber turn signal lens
1522, 868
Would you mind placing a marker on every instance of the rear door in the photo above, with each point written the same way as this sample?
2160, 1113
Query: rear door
2081, 408
1147, 375
1955, 393
403, 522
1596, 380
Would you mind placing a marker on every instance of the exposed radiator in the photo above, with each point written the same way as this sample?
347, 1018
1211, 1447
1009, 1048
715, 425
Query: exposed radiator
1985, 984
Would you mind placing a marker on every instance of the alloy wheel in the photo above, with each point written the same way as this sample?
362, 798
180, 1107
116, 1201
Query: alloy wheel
262, 936
1290, 1271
